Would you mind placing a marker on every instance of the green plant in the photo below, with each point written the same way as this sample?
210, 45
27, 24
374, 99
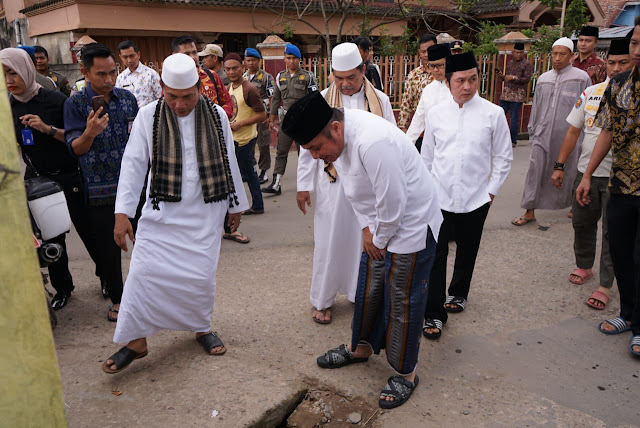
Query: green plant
529, 32
489, 31
575, 18
546, 37
288, 31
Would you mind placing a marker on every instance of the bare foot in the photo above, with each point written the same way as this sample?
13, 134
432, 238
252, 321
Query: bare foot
362, 351
323, 316
113, 311
597, 302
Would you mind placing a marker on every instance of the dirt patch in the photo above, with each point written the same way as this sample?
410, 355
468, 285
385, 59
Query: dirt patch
326, 408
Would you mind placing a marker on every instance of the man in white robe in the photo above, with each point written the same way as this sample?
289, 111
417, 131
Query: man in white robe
555, 96
394, 197
434, 93
337, 234
193, 181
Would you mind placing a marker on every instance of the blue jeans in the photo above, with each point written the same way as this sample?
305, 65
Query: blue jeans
244, 155
514, 108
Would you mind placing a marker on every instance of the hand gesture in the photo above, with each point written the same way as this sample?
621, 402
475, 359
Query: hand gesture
34, 121
96, 124
303, 198
557, 178
121, 230
368, 246
582, 192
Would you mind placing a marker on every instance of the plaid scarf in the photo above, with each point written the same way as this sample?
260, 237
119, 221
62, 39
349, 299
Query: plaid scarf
211, 150
371, 104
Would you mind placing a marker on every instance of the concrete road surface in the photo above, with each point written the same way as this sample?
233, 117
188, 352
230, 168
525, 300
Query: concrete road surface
526, 352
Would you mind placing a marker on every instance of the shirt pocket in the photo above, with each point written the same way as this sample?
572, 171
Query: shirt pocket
300, 86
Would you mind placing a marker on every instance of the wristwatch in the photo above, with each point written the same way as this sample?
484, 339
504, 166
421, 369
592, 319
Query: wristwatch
53, 131
559, 166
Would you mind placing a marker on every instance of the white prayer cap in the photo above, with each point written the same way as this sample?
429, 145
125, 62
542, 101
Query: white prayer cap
345, 57
564, 41
179, 71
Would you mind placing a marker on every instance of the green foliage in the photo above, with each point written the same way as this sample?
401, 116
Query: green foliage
529, 32
546, 37
489, 31
288, 31
575, 17
405, 44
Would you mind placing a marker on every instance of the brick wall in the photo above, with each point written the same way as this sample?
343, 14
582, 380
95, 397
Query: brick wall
611, 9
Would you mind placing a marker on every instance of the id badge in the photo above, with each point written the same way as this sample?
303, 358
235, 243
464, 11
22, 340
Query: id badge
27, 137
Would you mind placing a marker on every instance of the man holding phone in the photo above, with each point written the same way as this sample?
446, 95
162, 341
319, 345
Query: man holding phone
97, 123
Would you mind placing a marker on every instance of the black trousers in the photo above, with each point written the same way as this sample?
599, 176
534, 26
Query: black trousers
468, 233
102, 222
623, 218
61, 279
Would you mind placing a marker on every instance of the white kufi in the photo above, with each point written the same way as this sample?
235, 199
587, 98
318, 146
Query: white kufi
179, 71
564, 41
345, 57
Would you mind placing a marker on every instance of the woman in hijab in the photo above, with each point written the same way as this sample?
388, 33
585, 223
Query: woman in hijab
38, 121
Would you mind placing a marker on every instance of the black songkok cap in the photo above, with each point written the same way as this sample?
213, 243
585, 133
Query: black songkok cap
306, 118
461, 62
438, 51
619, 47
589, 31
519, 46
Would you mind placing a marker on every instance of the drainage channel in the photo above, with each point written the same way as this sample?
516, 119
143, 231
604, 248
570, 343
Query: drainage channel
320, 406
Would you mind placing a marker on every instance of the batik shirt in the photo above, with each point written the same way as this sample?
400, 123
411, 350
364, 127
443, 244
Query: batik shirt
598, 73
587, 64
619, 113
143, 83
215, 91
100, 166
516, 90
416, 81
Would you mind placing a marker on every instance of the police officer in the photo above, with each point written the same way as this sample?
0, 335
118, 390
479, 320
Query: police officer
291, 85
263, 81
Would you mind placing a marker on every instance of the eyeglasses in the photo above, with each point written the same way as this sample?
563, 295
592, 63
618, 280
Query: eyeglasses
435, 66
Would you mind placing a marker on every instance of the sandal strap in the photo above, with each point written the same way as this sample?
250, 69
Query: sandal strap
635, 340
619, 323
398, 387
210, 341
123, 357
339, 355
432, 323
458, 301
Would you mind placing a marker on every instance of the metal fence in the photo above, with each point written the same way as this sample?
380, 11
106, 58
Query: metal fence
395, 69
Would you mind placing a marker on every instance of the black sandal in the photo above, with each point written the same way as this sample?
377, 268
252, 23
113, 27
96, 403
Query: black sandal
458, 302
122, 359
210, 341
432, 323
400, 389
338, 357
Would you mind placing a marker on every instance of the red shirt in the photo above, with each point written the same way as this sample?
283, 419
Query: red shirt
588, 66
215, 91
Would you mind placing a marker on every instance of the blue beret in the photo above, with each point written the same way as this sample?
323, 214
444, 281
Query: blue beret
28, 49
292, 50
252, 52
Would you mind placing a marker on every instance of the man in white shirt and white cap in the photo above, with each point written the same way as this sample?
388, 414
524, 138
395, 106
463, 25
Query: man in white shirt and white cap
434, 93
335, 261
467, 148
395, 202
555, 96
193, 181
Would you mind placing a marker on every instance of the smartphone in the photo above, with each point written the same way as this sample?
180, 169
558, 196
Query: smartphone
98, 101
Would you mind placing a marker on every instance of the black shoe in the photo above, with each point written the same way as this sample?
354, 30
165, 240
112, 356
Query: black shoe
60, 300
104, 289
274, 187
263, 177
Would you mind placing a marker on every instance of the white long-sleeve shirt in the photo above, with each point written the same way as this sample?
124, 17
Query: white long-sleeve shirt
387, 183
468, 151
434, 93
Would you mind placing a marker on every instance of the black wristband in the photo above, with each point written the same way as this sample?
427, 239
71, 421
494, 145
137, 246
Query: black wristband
559, 166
